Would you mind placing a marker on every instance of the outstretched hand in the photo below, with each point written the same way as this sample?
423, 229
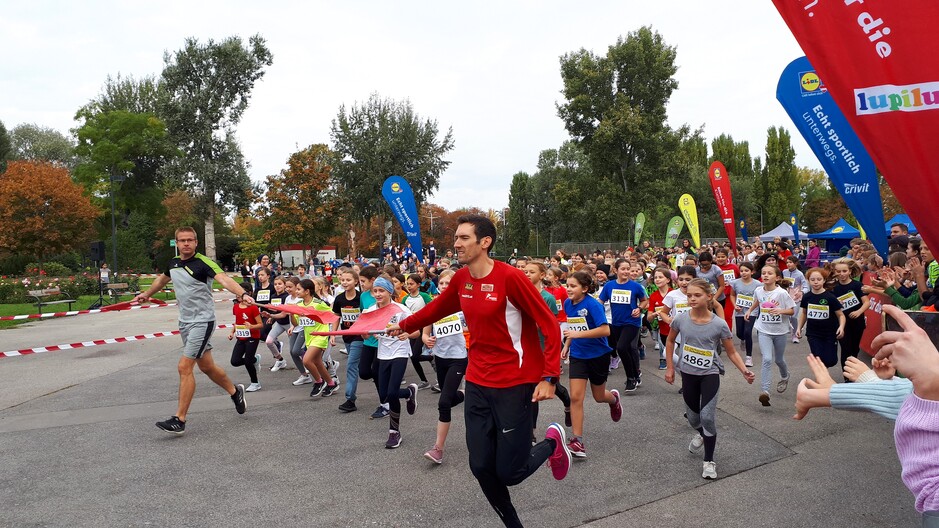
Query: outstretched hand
910, 352
823, 379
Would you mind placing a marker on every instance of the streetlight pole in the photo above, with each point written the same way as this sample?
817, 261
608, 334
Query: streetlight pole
113, 229
762, 227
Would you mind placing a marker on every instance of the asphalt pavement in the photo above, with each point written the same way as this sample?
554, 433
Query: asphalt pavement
78, 447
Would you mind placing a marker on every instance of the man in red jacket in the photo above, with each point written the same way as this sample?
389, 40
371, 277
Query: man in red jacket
507, 370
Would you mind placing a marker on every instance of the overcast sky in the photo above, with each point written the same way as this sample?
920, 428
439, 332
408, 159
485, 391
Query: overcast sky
488, 69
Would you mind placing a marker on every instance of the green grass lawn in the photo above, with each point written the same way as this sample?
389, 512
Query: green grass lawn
83, 303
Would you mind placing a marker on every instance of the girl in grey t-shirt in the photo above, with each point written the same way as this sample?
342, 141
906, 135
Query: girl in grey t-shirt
702, 335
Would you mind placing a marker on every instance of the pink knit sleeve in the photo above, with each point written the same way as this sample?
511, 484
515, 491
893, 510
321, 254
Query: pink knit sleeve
917, 439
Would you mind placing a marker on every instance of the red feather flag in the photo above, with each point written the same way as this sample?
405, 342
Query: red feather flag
320, 316
373, 322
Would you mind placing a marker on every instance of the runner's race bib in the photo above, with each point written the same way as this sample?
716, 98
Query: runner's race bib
849, 300
305, 321
448, 326
264, 296
744, 301
767, 317
697, 357
729, 276
275, 301
242, 332
817, 311
349, 314
681, 308
577, 324
560, 306
621, 297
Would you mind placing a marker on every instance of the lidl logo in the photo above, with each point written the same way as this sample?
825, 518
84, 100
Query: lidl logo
395, 187
837, 229
811, 84
717, 174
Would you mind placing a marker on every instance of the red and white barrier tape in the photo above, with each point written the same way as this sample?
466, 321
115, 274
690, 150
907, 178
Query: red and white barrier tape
86, 312
97, 342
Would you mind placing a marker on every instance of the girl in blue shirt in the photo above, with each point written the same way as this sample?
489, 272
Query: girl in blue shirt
589, 354
627, 300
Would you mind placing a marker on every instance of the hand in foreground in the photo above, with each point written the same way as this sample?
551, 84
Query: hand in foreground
812, 394
853, 368
823, 379
910, 352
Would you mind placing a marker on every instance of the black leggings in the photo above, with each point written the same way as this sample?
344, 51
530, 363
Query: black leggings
700, 394
498, 438
243, 355
390, 374
745, 332
417, 347
368, 366
851, 342
627, 346
561, 392
450, 372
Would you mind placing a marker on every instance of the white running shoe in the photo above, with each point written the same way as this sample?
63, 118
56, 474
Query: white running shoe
279, 364
303, 380
254, 387
748, 362
697, 442
657, 345
333, 367
710, 471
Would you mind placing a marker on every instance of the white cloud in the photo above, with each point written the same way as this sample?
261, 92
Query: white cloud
488, 69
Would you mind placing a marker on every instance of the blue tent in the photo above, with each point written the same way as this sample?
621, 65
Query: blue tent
842, 230
837, 236
902, 219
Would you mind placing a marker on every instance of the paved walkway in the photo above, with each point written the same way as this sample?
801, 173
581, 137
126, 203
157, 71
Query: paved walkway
79, 448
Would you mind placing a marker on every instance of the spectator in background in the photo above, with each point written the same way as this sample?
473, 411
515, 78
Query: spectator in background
813, 258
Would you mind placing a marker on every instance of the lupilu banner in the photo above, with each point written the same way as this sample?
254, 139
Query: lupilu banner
690, 211
880, 63
720, 186
674, 228
805, 97
400, 198
640, 222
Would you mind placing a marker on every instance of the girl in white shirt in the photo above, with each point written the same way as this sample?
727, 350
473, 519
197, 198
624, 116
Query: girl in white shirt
773, 307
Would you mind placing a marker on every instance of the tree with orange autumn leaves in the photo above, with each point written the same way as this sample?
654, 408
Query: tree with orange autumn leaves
43, 211
303, 204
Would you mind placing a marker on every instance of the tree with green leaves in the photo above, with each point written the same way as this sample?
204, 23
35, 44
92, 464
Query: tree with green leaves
381, 138
127, 147
304, 202
37, 143
6, 148
615, 103
205, 89
780, 178
139, 96
518, 229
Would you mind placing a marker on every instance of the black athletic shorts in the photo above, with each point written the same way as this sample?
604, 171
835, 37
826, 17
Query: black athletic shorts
595, 370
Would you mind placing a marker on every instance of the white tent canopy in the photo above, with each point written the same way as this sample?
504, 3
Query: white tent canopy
782, 230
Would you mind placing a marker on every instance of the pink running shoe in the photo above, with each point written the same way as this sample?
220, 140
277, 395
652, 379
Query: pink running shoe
616, 408
560, 461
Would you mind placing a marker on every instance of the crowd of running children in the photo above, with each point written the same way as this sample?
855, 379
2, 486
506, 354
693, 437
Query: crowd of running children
687, 301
